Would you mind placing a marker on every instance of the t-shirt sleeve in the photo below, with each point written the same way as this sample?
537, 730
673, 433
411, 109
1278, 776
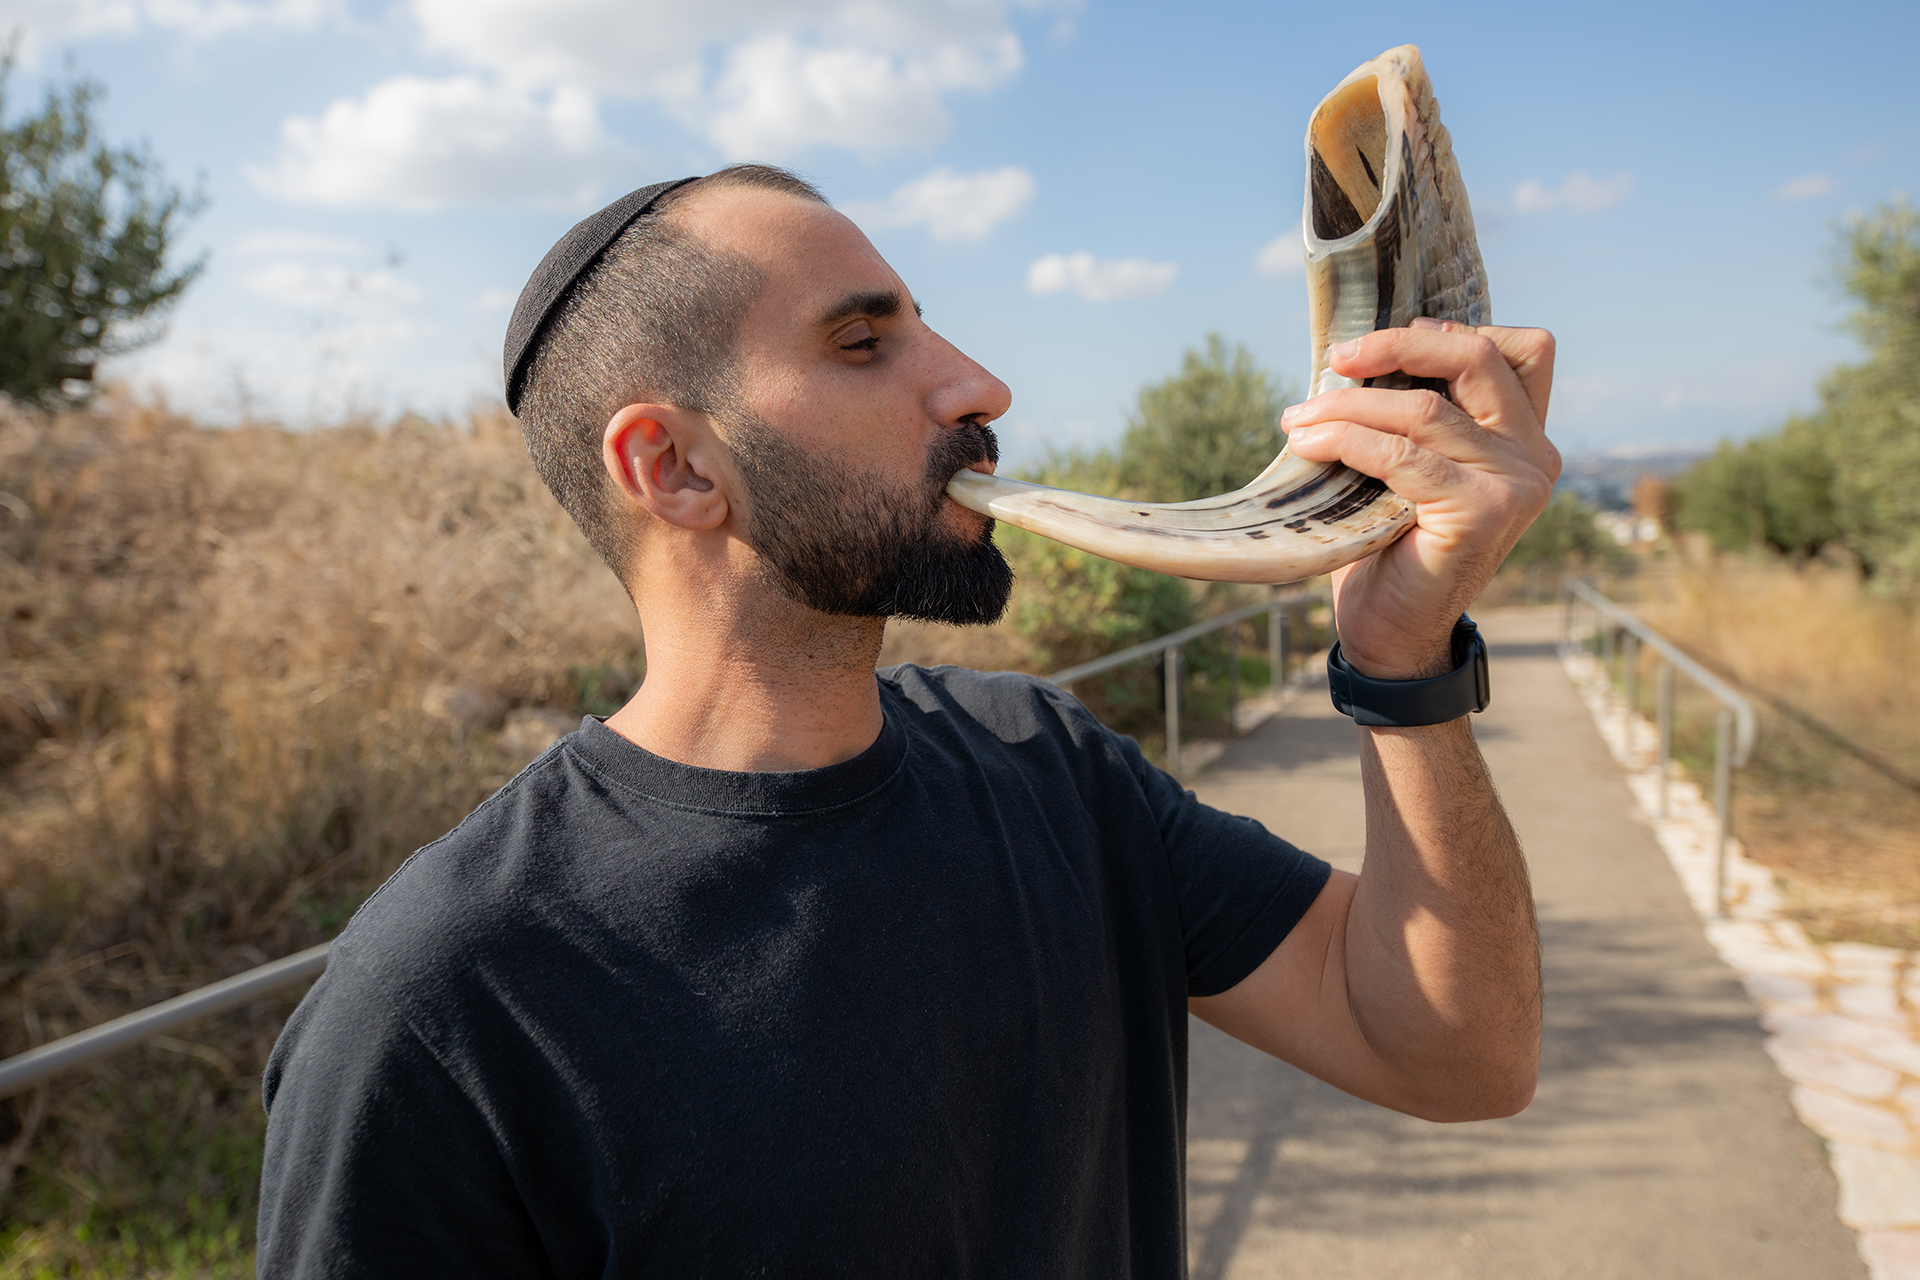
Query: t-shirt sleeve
1240, 888
377, 1164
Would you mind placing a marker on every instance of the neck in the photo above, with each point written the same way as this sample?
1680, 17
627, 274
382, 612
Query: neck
746, 680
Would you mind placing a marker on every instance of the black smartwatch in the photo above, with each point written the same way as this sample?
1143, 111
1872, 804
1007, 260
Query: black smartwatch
1408, 704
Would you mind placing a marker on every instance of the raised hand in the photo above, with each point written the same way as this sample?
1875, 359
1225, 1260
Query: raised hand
1480, 469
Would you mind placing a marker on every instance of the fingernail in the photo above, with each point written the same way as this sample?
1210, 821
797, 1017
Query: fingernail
1290, 414
1427, 322
1346, 350
1305, 435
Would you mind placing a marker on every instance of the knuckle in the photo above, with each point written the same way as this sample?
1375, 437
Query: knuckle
1404, 454
1529, 493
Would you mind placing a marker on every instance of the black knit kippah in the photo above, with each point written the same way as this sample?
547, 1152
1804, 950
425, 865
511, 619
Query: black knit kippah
561, 269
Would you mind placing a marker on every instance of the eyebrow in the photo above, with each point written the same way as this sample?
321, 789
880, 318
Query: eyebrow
877, 303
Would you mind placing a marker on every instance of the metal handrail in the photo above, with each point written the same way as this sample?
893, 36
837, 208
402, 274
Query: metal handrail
23, 1071
1621, 640
1279, 600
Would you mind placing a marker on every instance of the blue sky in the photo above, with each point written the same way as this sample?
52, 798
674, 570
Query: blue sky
1076, 191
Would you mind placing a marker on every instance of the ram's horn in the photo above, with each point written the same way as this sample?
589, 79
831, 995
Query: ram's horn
1389, 237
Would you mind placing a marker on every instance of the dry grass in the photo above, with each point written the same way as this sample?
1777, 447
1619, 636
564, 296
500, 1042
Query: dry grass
213, 746
1813, 644
221, 649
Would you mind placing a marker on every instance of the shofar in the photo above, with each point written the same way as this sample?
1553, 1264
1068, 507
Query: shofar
1389, 237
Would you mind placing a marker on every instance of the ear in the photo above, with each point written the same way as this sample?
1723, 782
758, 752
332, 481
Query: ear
667, 461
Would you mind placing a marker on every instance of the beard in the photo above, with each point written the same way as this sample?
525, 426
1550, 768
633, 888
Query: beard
860, 545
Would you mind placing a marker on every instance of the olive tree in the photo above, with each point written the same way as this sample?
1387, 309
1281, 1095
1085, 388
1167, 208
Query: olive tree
1209, 428
84, 233
1872, 409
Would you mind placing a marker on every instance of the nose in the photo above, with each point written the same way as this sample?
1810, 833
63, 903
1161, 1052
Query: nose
964, 391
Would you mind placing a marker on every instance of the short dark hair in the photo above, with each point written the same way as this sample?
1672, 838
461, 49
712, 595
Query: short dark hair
656, 318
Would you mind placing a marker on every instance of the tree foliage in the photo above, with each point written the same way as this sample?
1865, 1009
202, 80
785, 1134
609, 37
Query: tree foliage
84, 233
1872, 410
1566, 533
1850, 472
1775, 491
1209, 428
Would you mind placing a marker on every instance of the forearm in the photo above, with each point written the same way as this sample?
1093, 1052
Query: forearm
1441, 949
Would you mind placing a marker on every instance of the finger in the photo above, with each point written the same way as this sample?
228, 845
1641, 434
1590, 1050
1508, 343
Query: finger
1476, 368
1411, 471
1427, 418
1529, 352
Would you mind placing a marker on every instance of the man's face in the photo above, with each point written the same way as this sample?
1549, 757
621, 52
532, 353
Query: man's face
851, 416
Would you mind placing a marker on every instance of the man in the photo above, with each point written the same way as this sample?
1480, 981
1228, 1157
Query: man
789, 968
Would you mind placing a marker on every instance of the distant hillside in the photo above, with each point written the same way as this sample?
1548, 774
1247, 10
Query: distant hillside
1606, 479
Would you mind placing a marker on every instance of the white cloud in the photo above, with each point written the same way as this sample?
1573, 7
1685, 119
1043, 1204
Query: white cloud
498, 299
320, 375
1284, 255
779, 95
263, 244
45, 22
206, 19
761, 79
756, 79
1100, 279
331, 288
1579, 193
419, 144
952, 206
1810, 187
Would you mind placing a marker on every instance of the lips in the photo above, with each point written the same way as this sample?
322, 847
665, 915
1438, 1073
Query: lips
971, 446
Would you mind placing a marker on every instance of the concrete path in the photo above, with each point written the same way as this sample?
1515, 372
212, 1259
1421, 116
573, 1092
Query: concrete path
1661, 1143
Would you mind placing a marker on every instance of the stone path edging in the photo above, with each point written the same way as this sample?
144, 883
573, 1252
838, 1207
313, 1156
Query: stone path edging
1843, 1019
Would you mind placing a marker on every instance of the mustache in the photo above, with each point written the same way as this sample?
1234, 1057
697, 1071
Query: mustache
964, 445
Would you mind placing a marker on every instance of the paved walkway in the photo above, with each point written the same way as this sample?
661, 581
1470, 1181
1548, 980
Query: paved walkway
1661, 1143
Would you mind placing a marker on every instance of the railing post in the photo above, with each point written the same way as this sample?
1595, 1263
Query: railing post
1630, 660
1666, 731
1173, 707
1276, 643
1608, 639
1233, 678
1723, 801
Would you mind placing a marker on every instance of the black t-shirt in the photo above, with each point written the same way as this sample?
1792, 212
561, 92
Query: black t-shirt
922, 1013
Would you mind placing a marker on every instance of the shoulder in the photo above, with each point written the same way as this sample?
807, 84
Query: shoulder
473, 892
1018, 720
1005, 704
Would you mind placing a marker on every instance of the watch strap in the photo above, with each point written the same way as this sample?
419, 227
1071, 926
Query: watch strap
1408, 704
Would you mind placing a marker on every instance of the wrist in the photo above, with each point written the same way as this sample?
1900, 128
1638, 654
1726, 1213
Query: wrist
1421, 664
1460, 687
